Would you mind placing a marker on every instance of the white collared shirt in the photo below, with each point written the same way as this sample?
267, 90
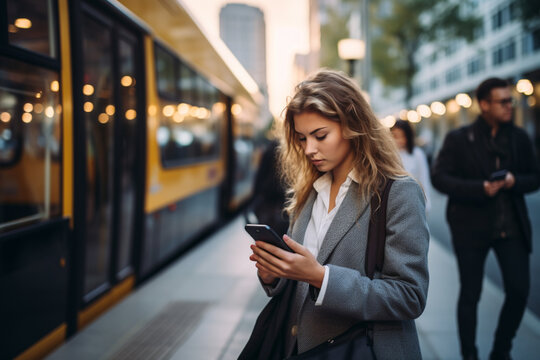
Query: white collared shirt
321, 219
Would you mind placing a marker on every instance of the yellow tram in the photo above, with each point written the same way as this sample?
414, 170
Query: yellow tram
126, 133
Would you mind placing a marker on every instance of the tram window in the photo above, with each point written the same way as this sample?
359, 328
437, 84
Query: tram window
32, 25
128, 103
186, 83
165, 71
100, 116
188, 134
29, 143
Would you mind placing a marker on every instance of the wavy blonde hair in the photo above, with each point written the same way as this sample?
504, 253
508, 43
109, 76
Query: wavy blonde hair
336, 97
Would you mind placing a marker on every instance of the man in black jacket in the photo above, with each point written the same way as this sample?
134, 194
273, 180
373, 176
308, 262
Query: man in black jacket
486, 168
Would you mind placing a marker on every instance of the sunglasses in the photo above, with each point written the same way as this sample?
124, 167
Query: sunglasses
505, 101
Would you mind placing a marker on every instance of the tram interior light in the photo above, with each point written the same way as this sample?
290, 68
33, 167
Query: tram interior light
236, 109
23, 23
5, 117
55, 86
178, 118
110, 110
131, 114
103, 118
28, 107
88, 89
49, 111
126, 80
26, 118
168, 110
88, 106
194, 111
183, 109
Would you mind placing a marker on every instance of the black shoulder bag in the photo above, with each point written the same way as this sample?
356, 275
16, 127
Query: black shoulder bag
357, 342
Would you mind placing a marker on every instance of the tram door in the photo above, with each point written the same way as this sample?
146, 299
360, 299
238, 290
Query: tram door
110, 127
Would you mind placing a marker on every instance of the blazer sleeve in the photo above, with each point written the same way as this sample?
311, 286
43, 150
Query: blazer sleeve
445, 175
400, 292
274, 289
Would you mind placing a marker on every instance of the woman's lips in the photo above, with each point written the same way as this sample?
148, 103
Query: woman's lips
317, 162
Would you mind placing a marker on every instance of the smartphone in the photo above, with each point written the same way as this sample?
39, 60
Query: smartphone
498, 175
267, 234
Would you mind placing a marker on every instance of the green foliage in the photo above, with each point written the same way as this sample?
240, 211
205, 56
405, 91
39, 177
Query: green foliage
400, 27
529, 11
331, 32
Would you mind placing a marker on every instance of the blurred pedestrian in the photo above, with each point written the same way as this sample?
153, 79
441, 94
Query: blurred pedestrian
337, 156
486, 168
269, 193
413, 158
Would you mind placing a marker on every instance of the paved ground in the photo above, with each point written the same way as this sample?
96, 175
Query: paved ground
440, 231
219, 279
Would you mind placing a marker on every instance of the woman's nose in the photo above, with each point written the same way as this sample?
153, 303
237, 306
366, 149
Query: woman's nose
311, 147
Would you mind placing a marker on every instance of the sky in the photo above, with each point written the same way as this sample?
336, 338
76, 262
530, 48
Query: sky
287, 24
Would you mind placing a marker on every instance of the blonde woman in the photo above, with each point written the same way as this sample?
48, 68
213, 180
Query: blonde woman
335, 156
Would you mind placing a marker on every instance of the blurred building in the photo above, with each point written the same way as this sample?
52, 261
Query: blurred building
449, 74
243, 28
304, 64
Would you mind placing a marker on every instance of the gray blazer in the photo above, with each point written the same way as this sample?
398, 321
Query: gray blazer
392, 299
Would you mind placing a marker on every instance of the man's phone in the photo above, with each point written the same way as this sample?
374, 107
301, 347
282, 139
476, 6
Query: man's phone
498, 175
267, 234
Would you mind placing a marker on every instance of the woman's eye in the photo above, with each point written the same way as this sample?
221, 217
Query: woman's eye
321, 137
301, 139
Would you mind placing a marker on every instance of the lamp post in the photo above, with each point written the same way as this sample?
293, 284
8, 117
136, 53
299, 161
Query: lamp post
351, 50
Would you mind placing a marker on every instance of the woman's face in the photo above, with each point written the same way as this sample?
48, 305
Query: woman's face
399, 137
323, 142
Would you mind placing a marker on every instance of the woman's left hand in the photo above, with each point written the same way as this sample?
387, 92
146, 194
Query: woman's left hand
300, 265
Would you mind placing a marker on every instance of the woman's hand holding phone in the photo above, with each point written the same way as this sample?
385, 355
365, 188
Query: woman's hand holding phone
273, 262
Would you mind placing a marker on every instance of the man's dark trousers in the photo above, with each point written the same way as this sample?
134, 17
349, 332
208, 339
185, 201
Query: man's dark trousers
513, 259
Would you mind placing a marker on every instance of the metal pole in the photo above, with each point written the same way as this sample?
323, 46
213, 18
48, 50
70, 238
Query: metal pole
367, 41
351, 67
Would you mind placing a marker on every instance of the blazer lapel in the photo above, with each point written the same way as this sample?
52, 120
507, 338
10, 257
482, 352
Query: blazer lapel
348, 213
300, 225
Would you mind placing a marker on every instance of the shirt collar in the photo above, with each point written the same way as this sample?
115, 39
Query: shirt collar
324, 181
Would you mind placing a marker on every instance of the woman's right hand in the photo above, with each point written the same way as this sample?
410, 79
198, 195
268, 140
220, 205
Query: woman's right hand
266, 277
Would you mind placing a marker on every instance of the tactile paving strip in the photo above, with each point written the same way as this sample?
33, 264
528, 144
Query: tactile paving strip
164, 333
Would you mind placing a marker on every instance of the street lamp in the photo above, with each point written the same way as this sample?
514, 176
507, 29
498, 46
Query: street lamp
351, 50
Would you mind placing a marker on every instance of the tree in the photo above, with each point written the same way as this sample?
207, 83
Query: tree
334, 30
529, 11
400, 27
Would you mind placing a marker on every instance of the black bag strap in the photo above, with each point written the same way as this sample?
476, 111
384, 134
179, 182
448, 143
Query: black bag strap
377, 231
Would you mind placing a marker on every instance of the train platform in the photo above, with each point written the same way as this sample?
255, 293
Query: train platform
204, 306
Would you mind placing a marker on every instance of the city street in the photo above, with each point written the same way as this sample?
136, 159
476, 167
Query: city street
440, 231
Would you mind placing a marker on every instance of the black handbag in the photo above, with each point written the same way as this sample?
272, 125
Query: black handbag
266, 341
357, 341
